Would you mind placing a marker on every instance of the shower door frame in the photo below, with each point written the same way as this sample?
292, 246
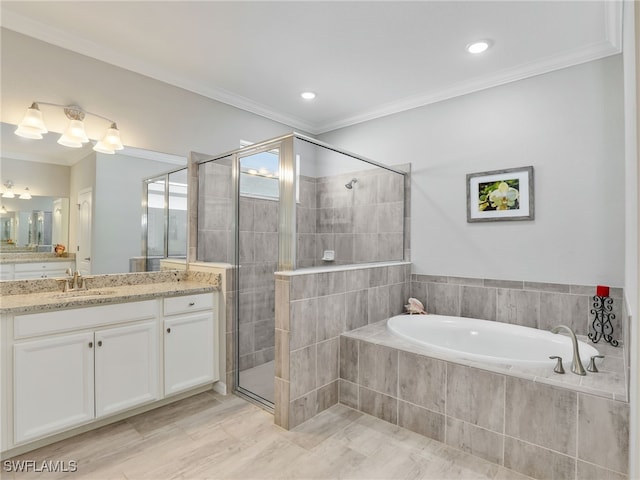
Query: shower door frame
286, 229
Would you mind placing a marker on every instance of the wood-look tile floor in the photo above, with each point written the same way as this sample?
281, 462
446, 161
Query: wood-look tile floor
225, 437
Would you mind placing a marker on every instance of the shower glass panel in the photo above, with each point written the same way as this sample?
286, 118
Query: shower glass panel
164, 219
155, 215
177, 218
348, 211
257, 262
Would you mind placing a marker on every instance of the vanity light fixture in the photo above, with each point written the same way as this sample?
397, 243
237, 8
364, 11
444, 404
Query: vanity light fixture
32, 126
479, 46
9, 193
26, 195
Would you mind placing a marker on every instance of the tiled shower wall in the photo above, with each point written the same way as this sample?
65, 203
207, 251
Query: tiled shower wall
258, 253
312, 311
362, 224
258, 262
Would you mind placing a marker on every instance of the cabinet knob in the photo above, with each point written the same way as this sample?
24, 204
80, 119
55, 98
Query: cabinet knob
99, 343
90, 344
191, 304
169, 330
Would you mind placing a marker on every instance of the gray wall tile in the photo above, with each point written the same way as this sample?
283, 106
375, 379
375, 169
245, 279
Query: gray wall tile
475, 396
348, 393
303, 286
378, 303
378, 368
327, 396
604, 432
349, 359
443, 299
421, 420
303, 408
519, 307
537, 462
378, 405
356, 309
303, 322
588, 471
478, 302
331, 316
328, 361
330, 283
541, 414
475, 440
357, 279
302, 371
570, 310
422, 381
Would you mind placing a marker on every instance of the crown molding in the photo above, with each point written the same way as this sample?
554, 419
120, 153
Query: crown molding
611, 45
549, 64
62, 39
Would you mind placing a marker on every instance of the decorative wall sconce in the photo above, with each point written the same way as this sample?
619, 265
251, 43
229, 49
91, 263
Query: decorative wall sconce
32, 126
9, 193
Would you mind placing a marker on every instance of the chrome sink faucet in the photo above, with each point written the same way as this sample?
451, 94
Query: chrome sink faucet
576, 365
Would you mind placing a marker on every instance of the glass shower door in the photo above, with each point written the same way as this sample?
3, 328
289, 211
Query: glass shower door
257, 260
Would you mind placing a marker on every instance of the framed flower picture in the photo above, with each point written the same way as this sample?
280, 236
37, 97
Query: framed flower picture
500, 195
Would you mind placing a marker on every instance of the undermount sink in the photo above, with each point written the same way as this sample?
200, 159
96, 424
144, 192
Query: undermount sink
84, 293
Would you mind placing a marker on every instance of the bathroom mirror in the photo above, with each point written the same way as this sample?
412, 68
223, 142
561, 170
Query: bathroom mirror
112, 183
33, 225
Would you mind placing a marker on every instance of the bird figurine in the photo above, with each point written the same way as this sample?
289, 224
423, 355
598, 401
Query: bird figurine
415, 307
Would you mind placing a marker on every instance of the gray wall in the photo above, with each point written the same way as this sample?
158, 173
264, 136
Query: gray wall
568, 124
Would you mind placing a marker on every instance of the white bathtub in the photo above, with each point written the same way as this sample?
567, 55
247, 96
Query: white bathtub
487, 341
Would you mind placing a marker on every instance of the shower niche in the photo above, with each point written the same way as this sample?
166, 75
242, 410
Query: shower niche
286, 204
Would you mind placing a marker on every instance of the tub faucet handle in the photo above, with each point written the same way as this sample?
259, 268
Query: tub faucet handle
558, 368
592, 364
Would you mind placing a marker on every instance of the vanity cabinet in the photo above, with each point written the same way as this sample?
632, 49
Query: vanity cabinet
188, 342
70, 369
66, 380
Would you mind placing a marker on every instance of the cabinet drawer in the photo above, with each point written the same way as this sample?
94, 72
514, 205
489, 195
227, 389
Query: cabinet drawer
79, 318
188, 303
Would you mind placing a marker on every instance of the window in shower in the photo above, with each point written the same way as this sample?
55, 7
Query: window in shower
259, 176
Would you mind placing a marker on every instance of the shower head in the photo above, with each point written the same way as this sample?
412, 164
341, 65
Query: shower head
350, 184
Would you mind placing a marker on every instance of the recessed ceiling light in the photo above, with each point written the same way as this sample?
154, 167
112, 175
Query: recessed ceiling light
308, 95
479, 46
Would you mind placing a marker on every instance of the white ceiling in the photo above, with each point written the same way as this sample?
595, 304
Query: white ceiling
363, 59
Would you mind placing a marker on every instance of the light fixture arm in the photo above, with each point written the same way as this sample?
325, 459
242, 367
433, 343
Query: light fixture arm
74, 112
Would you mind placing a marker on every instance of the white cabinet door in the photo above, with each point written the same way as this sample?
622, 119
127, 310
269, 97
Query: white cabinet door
188, 352
53, 385
126, 360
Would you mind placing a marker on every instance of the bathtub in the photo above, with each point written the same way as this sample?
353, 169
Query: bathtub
486, 341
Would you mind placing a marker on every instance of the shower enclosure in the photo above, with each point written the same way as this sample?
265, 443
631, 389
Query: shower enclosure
285, 204
164, 220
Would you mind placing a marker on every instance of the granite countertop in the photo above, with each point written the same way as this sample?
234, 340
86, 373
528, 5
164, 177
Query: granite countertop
35, 257
104, 290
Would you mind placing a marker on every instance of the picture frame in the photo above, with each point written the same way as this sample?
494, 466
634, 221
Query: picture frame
500, 195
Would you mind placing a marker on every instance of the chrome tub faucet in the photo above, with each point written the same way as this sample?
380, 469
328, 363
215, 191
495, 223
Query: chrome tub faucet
576, 365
